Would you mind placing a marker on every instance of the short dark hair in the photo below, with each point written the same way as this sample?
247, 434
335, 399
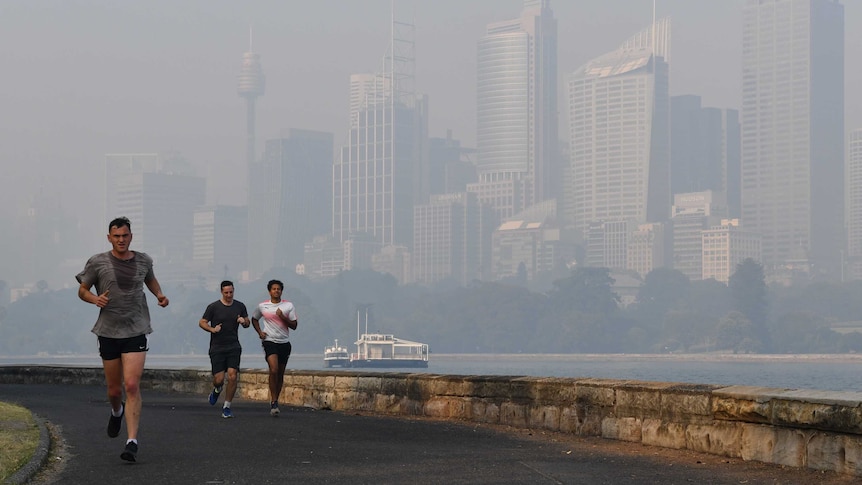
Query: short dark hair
225, 283
120, 222
274, 282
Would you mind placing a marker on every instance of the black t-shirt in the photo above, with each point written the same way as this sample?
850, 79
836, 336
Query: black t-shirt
218, 313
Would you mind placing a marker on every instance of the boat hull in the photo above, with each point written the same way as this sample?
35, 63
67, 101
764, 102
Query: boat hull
389, 363
336, 363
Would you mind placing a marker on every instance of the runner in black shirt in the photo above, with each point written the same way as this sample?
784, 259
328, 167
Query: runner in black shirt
222, 319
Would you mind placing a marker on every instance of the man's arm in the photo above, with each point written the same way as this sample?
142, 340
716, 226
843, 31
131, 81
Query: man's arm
85, 294
156, 290
205, 324
256, 324
286, 318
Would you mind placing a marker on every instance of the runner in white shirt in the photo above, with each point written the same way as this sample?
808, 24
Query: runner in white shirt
279, 318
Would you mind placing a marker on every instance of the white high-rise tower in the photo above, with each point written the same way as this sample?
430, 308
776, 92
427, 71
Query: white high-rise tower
250, 85
516, 111
619, 133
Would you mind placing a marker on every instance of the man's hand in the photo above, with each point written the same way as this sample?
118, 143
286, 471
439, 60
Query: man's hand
243, 321
217, 328
102, 300
163, 300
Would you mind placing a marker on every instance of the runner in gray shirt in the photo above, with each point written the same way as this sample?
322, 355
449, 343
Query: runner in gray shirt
119, 276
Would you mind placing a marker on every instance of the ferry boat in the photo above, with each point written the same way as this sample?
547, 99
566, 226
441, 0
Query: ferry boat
385, 350
336, 356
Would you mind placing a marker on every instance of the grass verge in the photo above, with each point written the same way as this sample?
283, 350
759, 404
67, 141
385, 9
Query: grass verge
19, 437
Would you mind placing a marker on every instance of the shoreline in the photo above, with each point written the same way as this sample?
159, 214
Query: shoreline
703, 357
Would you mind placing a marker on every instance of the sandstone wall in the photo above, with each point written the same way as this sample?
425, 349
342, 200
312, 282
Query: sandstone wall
801, 428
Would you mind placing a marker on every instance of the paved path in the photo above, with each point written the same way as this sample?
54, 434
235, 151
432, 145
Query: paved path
184, 440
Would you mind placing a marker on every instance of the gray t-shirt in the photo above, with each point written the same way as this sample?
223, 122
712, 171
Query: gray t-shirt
126, 314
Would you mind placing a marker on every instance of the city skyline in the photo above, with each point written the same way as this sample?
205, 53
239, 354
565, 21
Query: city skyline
58, 150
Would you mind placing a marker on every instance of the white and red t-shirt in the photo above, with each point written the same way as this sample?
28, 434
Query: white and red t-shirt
275, 328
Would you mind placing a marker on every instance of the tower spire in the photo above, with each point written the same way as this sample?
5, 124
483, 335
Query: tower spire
250, 85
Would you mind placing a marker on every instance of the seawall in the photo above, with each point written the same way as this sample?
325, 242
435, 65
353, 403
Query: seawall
801, 428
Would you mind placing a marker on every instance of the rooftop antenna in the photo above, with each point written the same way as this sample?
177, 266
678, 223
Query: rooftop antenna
653, 28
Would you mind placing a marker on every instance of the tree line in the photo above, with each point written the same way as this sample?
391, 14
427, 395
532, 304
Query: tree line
576, 313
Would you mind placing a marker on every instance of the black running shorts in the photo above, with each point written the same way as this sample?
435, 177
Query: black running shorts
112, 348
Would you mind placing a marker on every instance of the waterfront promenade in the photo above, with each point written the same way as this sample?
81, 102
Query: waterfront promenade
184, 440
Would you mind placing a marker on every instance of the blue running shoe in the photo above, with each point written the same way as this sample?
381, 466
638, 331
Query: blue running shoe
225, 413
214, 395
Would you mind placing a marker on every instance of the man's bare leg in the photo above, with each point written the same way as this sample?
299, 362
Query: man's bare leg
274, 381
133, 370
114, 380
231, 384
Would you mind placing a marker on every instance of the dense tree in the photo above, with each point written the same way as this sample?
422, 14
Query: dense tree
737, 333
587, 290
790, 331
663, 290
748, 289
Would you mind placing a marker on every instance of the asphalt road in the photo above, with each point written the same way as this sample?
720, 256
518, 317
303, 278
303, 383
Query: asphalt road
184, 440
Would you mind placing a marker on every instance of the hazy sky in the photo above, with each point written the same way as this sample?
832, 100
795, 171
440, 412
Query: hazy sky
81, 78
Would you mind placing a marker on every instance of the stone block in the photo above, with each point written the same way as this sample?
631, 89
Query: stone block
770, 444
683, 406
826, 451
554, 391
720, 438
491, 387
569, 420
443, 385
522, 389
637, 402
388, 404
446, 407
656, 432
513, 414
399, 386
368, 384
623, 429
853, 455
731, 408
544, 417
824, 416
344, 383
484, 411
592, 394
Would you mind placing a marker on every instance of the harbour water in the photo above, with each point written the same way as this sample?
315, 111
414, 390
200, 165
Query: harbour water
826, 372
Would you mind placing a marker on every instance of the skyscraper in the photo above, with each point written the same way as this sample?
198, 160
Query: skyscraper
382, 171
854, 206
793, 131
620, 136
289, 198
517, 108
220, 244
159, 194
704, 149
452, 239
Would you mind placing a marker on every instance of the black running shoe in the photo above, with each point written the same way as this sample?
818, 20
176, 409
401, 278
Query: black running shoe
131, 452
115, 422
